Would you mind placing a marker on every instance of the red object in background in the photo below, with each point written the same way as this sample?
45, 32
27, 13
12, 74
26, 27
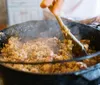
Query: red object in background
2, 26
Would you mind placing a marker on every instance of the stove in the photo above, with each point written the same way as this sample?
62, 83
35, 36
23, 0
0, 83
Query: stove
60, 80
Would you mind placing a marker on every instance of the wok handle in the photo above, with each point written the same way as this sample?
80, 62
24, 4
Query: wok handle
95, 25
98, 27
90, 74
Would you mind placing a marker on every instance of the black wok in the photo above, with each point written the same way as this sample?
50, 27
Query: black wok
34, 29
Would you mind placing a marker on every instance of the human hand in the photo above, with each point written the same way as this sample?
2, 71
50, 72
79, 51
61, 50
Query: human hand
53, 5
91, 20
98, 19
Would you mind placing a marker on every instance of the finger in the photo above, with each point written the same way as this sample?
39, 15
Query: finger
57, 6
46, 3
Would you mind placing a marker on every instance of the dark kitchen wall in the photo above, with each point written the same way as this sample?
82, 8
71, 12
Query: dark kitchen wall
3, 12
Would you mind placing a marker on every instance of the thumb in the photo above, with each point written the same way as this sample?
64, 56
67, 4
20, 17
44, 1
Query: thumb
46, 3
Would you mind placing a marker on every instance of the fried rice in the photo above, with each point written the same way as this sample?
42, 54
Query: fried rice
44, 50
